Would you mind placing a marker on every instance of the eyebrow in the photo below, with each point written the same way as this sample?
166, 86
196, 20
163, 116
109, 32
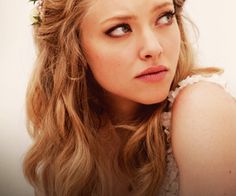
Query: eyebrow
130, 17
160, 6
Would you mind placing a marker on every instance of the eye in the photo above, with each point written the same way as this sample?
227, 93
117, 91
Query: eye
166, 18
119, 30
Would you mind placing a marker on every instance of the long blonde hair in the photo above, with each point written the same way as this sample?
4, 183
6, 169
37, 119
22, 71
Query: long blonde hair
64, 115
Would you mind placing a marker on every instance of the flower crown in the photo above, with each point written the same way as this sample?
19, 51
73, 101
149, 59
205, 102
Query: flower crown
37, 12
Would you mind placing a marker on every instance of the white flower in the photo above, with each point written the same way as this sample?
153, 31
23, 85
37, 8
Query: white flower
36, 13
34, 16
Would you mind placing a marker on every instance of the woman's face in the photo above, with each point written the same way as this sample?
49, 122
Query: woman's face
132, 48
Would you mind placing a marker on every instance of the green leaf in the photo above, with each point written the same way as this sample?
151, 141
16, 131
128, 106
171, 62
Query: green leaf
34, 1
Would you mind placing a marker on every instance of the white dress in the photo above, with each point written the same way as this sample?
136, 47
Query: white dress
170, 186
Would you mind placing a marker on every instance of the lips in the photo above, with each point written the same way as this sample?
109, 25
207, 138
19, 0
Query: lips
152, 70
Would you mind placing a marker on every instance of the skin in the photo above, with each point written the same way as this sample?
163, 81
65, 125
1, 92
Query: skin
203, 140
115, 58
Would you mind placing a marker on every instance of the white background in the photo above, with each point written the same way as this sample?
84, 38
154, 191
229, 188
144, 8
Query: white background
216, 46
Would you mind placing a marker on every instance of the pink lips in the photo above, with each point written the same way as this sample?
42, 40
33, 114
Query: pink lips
153, 74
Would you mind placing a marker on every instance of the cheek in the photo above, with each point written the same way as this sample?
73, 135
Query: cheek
107, 59
106, 64
173, 45
103, 64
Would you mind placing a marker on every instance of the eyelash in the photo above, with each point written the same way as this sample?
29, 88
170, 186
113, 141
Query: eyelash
123, 25
126, 27
170, 14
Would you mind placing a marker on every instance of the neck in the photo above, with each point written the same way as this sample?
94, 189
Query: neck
121, 109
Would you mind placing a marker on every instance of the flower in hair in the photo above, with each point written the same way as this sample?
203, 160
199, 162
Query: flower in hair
36, 14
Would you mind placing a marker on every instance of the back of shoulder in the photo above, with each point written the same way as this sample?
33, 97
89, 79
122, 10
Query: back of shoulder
202, 99
202, 106
203, 92
203, 137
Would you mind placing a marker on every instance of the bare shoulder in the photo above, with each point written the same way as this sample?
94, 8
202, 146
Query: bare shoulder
203, 139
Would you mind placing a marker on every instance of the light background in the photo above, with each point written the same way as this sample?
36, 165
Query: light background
216, 46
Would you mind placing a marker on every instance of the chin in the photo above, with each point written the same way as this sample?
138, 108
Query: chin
154, 99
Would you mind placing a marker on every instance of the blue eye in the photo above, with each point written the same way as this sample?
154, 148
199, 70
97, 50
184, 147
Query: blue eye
166, 18
119, 30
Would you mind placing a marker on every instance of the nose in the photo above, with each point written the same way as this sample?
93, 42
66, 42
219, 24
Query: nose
150, 45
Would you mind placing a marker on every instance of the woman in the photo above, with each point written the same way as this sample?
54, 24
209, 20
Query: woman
105, 97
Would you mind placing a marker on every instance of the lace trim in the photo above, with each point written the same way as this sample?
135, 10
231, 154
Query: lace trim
170, 186
194, 79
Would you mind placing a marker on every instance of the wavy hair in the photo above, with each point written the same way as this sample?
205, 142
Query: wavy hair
65, 113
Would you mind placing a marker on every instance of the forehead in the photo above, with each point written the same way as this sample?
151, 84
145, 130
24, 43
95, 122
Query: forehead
111, 7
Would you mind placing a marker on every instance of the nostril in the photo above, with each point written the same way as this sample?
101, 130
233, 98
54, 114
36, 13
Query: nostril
148, 56
150, 50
